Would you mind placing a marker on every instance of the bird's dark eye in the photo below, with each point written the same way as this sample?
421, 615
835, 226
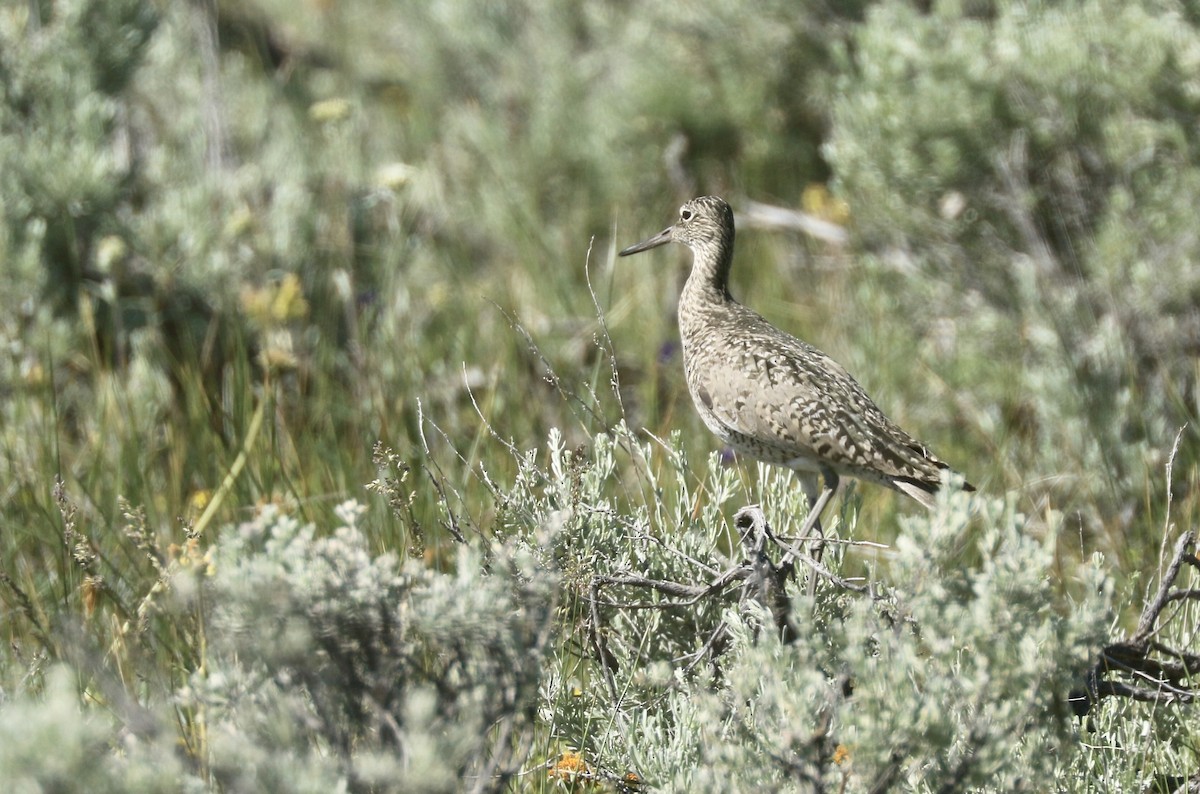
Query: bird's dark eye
685, 214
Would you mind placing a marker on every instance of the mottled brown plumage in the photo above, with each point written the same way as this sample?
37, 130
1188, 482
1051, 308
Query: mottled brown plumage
770, 396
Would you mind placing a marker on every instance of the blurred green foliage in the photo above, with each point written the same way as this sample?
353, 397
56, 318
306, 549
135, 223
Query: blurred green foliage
1036, 165
243, 243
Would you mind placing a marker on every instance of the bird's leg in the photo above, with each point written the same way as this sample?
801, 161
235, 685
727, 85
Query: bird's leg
817, 501
812, 523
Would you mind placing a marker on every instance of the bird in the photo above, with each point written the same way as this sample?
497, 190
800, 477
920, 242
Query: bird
773, 397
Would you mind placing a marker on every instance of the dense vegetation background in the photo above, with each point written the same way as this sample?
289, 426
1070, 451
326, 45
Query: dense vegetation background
326, 410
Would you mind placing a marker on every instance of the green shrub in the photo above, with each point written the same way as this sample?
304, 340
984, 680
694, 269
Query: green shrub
946, 675
348, 664
1035, 165
325, 665
56, 743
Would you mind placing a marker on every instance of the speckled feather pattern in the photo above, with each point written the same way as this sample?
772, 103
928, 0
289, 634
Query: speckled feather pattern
769, 395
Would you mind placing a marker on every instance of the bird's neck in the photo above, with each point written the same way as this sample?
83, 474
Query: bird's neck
705, 299
708, 283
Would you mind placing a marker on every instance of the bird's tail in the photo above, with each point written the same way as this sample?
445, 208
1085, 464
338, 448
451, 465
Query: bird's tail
924, 491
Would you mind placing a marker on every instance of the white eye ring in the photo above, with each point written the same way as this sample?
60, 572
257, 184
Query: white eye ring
685, 214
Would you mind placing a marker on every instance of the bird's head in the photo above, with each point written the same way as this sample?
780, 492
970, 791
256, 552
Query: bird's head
703, 222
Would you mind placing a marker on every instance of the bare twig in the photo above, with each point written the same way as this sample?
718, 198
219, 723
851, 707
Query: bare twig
1150, 615
1183, 595
768, 582
550, 375
710, 647
607, 662
756, 215
763, 581
692, 593
451, 524
615, 381
1157, 672
1168, 527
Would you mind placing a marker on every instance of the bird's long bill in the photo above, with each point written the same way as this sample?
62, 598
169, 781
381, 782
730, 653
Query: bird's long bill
662, 238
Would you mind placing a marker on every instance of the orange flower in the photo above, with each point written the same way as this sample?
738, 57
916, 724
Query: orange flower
570, 766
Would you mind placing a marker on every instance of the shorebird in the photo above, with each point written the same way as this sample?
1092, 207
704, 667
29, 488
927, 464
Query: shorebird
770, 396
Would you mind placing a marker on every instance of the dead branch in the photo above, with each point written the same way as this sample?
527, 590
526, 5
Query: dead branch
1146, 626
762, 580
756, 215
1143, 668
691, 593
767, 583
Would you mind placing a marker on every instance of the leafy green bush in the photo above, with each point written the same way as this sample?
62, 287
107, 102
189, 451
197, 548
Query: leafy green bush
547, 654
1035, 164
54, 743
350, 665
943, 675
